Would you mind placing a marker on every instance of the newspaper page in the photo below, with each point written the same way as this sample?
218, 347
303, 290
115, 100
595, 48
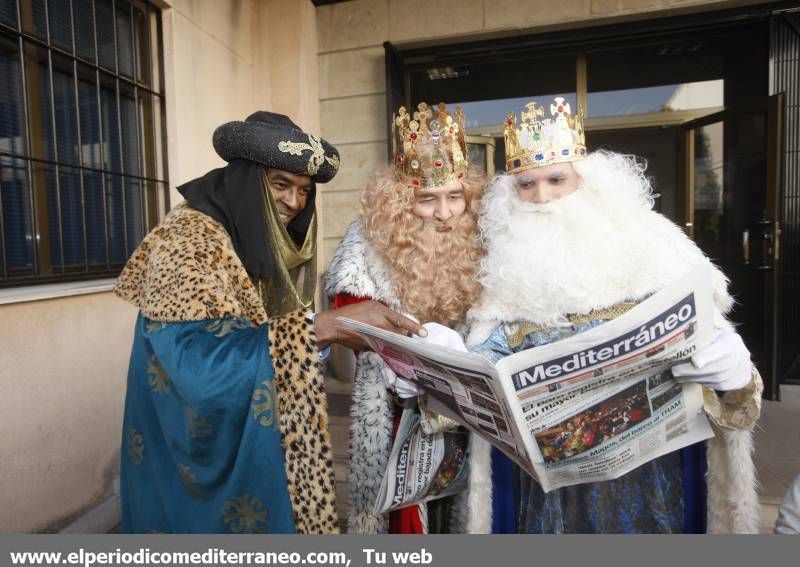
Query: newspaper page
422, 466
588, 408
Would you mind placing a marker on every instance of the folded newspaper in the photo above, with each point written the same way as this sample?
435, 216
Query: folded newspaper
422, 466
584, 409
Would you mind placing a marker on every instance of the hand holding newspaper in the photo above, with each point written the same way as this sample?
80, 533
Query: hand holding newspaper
584, 409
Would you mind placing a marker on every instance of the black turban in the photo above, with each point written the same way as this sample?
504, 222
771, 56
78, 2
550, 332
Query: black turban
234, 195
275, 141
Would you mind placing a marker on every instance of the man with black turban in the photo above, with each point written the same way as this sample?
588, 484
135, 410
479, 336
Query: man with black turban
226, 427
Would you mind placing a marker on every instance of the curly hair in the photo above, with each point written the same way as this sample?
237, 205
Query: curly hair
434, 273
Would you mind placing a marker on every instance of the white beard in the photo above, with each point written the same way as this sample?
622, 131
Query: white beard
595, 248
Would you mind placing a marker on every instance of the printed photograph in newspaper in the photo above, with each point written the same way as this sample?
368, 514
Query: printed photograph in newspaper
596, 425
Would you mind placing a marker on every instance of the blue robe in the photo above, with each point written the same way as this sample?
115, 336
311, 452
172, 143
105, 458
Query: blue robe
666, 495
201, 447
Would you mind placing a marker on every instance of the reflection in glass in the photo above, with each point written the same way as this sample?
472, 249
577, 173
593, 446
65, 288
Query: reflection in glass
664, 98
708, 187
84, 28
41, 124
116, 218
477, 155
110, 128
124, 40
60, 23
65, 111
95, 218
494, 112
34, 18
105, 33
90, 119
8, 12
130, 146
12, 127
142, 47
17, 226
72, 218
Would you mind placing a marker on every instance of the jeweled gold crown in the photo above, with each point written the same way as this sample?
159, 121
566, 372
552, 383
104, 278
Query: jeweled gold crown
438, 127
540, 141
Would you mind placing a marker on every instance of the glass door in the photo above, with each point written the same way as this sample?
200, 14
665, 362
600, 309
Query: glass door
731, 210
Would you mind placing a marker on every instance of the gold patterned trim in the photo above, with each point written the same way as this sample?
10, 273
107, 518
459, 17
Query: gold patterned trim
158, 378
735, 409
135, 446
189, 481
516, 332
314, 146
245, 515
264, 404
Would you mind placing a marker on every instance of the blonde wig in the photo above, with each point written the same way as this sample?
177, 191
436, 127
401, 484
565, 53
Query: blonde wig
433, 264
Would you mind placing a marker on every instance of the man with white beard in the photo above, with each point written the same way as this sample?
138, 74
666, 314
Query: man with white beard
571, 243
414, 248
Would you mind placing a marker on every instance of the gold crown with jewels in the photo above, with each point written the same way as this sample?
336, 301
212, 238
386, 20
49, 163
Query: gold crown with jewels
438, 127
540, 141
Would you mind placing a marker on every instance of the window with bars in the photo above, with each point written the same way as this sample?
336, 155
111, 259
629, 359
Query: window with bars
83, 172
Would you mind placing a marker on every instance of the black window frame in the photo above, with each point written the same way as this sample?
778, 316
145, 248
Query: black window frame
111, 84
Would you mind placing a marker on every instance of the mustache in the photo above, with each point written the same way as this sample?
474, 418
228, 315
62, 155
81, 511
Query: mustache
440, 226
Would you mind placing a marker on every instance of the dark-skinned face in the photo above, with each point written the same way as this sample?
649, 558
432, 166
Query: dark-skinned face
290, 192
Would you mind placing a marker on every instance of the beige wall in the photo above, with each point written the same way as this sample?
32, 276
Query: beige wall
351, 66
62, 381
227, 59
63, 362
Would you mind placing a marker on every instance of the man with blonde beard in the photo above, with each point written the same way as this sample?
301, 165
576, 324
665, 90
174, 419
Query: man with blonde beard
571, 243
415, 249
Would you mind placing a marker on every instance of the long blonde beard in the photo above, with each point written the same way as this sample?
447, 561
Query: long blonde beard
434, 272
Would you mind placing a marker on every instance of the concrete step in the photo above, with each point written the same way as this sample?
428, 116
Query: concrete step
769, 513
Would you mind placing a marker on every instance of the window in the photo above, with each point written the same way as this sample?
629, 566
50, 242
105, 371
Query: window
82, 155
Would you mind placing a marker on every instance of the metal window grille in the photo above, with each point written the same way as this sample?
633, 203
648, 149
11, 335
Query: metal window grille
83, 172
785, 57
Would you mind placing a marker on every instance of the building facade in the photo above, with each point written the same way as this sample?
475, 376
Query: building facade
107, 106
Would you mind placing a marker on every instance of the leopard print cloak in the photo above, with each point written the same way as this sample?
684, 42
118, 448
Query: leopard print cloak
186, 269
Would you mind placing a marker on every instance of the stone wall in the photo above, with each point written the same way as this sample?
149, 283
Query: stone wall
351, 66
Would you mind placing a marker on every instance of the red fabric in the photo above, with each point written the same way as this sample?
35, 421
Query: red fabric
342, 299
405, 520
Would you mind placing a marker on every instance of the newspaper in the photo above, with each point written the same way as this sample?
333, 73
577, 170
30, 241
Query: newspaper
584, 409
422, 466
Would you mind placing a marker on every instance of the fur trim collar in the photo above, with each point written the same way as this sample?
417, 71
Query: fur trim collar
358, 270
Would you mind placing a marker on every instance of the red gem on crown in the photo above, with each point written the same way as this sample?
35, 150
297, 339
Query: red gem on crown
413, 136
437, 164
415, 182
